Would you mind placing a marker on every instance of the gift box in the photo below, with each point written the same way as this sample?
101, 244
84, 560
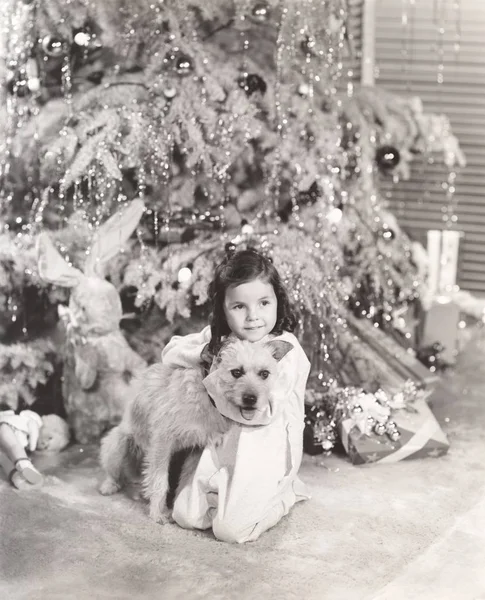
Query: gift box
380, 434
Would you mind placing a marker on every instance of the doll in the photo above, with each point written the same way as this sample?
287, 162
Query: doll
27, 431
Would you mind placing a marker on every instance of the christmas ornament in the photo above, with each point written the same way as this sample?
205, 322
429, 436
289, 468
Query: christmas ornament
308, 44
261, 12
387, 157
379, 429
335, 215
82, 37
251, 82
183, 65
230, 248
53, 47
388, 234
184, 275
303, 90
169, 92
18, 85
246, 228
33, 84
394, 435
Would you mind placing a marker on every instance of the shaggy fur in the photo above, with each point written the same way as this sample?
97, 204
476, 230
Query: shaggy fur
172, 411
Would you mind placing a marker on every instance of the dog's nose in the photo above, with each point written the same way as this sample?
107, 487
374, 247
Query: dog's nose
249, 399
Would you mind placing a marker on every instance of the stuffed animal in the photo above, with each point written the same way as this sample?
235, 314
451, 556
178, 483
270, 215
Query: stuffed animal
28, 431
99, 364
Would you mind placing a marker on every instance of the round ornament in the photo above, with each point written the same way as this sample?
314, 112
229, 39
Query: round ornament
261, 12
82, 37
230, 248
53, 47
33, 84
394, 435
251, 83
387, 158
379, 429
169, 92
308, 44
303, 90
183, 65
18, 85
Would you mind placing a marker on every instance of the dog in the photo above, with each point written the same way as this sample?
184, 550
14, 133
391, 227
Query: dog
172, 411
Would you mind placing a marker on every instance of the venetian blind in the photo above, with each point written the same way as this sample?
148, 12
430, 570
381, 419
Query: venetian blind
407, 61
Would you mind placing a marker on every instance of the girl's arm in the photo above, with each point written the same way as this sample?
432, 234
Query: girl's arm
185, 350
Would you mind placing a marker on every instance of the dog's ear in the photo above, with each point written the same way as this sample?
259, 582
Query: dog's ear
222, 348
206, 355
279, 348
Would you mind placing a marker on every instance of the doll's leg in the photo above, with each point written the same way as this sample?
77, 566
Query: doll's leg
15, 478
16, 453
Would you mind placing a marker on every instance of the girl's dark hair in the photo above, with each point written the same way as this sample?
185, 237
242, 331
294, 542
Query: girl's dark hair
241, 267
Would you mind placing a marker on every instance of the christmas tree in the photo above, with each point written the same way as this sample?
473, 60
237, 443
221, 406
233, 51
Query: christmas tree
237, 124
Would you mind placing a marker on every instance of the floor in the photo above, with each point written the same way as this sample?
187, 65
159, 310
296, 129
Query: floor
414, 530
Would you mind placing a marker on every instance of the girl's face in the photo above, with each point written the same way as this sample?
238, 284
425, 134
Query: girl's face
251, 309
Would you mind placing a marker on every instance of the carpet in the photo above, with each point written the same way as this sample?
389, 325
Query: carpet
411, 530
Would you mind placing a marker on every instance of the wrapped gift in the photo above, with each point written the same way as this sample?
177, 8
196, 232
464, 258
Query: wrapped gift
387, 429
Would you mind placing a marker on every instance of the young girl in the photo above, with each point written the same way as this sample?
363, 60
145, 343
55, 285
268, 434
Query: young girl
249, 482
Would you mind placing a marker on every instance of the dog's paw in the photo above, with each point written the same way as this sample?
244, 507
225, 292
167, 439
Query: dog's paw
162, 517
109, 487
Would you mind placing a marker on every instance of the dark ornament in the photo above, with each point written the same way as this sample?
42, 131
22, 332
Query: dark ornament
308, 45
183, 65
18, 85
251, 83
261, 12
230, 248
387, 158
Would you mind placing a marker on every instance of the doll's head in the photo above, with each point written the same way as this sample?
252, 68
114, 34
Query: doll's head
54, 434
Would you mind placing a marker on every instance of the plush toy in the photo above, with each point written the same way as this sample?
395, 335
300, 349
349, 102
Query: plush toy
99, 363
28, 431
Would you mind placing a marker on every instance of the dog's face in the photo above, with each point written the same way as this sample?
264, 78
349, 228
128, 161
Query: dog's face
249, 373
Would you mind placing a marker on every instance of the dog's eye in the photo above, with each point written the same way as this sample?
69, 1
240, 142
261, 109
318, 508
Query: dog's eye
264, 374
236, 373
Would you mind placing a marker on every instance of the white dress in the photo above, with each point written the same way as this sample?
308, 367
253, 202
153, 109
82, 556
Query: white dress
248, 483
